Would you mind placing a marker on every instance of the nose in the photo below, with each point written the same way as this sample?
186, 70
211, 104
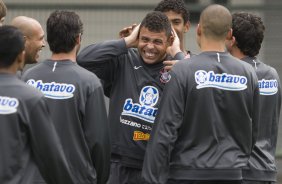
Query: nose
43, 43
150, 45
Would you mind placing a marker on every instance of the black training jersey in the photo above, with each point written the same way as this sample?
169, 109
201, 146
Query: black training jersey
76, 101
135, 91
262, 165
207, 122
28, 137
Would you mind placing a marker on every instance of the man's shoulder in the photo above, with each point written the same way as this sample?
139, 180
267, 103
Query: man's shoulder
33, 69
85, 77
84, 73
27, 92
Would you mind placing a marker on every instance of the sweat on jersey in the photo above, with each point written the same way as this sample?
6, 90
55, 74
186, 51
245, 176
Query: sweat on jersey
134, 89
76, 102
261, 166
207, 123
27, 136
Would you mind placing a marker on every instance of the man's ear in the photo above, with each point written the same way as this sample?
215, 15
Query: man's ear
199, 31
78, 39
26, 41
170, 40
20, 60
186, 26
229, 34
231, 38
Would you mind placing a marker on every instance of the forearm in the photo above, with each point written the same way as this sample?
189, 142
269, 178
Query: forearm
101, 53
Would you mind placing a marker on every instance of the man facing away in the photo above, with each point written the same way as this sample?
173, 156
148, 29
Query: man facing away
207, 123
248, 33
136, 82
75, 98
27, 135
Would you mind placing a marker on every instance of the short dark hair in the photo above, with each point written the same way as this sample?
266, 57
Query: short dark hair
177, 6
157, 22
248, 30
63, 27
11, 45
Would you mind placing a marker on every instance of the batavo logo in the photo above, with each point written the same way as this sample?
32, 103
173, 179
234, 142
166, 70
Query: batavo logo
53, 90
140, 136
144, 110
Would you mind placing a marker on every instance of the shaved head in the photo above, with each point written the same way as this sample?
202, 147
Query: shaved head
216, 21
34, 37
25, 24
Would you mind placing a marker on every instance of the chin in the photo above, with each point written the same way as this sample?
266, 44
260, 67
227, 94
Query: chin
147, 61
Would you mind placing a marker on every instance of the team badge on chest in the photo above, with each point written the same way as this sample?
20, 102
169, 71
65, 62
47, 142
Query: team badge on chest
145, 109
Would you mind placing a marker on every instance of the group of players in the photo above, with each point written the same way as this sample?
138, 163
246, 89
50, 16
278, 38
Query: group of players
174, 116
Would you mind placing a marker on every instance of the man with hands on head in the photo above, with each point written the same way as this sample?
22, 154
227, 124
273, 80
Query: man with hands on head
131, 68
179, 16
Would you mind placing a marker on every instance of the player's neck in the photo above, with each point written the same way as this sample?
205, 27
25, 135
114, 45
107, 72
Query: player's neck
212, 45
238, 54
64, 56
9, 70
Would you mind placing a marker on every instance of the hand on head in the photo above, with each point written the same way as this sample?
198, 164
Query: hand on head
126, 31
175, 47
132, 39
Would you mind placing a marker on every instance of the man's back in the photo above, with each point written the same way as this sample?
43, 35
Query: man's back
218, 109
75, 99
27, 135
262, 161
14, 118
216, 94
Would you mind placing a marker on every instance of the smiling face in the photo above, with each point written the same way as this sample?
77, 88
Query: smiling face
152, 46
34, 44
178, 24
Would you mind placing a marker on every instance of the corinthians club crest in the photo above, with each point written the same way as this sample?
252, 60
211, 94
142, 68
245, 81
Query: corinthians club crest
165, 76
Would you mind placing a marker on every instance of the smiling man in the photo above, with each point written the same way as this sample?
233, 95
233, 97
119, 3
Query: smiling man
136, 85
34, 37
179, 16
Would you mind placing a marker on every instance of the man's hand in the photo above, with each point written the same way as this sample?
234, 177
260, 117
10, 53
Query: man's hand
126, 31
175, 47
132, 39
169, 64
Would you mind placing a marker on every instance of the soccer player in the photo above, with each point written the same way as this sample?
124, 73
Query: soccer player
179, 18
248, 33
136, 82
27, 135
34, 37
75, 98
207, 123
